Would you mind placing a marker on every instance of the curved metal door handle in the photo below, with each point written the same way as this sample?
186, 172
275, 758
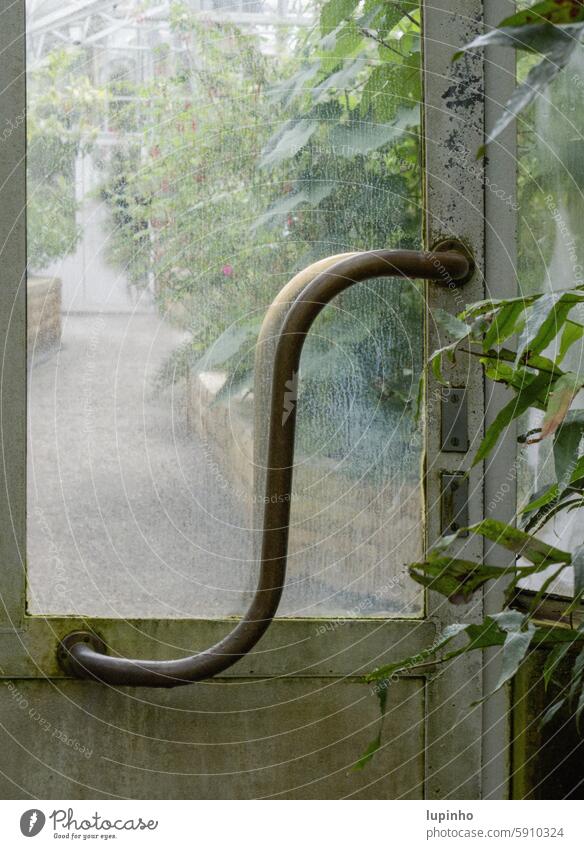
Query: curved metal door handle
286, 324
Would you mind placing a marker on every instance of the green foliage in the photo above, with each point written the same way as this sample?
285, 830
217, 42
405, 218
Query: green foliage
335, 12
493, 632
256, 165
348, 153
553, 11
61, 109
129, 248
535, 379
183, 204
550, 29
458, 579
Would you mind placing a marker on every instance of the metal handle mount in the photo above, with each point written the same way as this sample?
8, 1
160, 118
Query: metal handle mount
288, 320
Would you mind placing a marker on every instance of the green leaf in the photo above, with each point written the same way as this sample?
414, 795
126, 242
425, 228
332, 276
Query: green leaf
436, 363
551, 712
576, 677
292, 138
563, 393
289, 89
578, 564
565, 503
373, 13
522, 544
517, 379
459, 579
533, 521
456, 330
334, 12
521, 375
501, 372
557, 43
553, 11
456, 579
395, 11
515, 408
515, 649
315, 192
380, 90
573, 332
492, 304
383, 673
361, 137
535, 317
543, 321
493, 631
552, 41
504, 323
538, 79
566, 444
346, 41
342, 79
450, 324
551, 493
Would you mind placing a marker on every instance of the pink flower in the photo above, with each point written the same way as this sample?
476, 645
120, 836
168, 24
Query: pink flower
227, 270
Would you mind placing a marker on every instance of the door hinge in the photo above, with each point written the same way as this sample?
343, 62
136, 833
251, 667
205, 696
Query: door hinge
453, 502
454, 421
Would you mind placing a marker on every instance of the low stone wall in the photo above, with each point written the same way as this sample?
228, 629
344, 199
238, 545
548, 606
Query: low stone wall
43, 315
225, 430
349, 543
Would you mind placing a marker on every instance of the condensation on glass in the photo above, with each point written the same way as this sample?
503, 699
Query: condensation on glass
156, 242
551, 258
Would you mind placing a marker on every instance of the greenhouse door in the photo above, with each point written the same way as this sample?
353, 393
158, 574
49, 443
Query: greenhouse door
165, 171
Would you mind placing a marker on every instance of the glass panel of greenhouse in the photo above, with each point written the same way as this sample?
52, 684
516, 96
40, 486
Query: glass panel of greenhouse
185, 160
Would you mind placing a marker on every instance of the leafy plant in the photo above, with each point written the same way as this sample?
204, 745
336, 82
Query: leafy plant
256, 165
537, 381
552, 30
182, 204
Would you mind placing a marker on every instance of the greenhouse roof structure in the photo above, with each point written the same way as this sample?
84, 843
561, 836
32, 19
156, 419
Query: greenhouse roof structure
107, 23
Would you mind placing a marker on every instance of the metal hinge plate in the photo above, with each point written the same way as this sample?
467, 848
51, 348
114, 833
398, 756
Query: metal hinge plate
454, 501
454, 421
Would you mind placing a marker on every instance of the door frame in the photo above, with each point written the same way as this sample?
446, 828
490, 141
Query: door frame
466, 745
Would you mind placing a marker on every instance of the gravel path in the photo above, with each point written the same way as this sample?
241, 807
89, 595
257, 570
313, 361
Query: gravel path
124, 516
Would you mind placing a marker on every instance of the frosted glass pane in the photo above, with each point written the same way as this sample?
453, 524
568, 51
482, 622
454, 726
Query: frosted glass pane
173, 191
551, 257
356, 516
